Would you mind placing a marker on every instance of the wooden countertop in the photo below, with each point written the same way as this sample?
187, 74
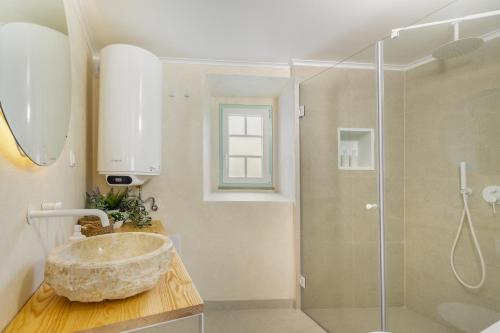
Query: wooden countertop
174, 297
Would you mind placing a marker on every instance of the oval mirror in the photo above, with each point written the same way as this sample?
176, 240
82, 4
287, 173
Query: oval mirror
35, 76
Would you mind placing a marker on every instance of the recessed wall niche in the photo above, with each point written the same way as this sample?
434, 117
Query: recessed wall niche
355, 149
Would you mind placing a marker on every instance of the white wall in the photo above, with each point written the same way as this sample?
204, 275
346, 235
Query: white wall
22, 247
287, 126
233, 250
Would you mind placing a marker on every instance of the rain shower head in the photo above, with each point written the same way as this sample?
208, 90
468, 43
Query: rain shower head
457, 47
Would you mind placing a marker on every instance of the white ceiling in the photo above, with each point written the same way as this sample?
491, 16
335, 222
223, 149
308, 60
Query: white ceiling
251, 30
245, 86
278, 31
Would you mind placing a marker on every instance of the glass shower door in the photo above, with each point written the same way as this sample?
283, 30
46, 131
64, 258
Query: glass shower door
340, 236
440, 112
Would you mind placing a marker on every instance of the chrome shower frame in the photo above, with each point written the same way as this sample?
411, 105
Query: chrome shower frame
395, 32
380, 180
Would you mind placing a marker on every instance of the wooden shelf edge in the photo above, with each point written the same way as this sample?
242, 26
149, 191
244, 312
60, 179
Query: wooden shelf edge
146, 321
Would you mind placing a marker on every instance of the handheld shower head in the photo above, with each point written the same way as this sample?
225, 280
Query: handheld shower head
463, 176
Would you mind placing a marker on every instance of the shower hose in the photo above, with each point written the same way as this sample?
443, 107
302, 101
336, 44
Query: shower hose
466, 214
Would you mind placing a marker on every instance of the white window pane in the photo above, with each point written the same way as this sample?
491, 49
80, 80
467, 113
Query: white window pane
237, 125
254, 167
249, 146
236, 167
254, 125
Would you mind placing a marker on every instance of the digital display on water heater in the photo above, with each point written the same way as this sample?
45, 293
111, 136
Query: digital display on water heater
119, 180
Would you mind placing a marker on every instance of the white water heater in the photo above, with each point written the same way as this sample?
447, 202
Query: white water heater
130, 115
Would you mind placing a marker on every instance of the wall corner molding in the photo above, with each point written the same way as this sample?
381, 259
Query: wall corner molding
75, 6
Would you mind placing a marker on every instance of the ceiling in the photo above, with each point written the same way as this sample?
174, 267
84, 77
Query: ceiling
250, 31
245, 86
278, 31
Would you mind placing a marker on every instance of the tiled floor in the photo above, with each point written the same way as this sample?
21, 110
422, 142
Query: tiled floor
335, 320
364, 320
244, 321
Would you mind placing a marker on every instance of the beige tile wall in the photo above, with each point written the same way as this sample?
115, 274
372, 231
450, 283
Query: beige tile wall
23, 248
339, 236
452, 115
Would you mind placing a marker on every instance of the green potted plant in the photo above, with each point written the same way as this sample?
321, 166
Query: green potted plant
120, 207
113, 200
110, 203
118, 217
137, 212
96, 200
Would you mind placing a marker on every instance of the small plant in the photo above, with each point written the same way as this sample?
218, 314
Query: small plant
137, 213
117, 216
110, 201
120, 206
114, 200
95, 200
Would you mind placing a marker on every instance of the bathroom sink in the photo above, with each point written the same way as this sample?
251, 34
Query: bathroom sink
110, 266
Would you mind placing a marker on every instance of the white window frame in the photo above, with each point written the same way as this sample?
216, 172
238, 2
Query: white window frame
226, 110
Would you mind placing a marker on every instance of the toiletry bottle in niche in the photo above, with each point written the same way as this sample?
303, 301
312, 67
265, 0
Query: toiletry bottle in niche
354, 158
344, 159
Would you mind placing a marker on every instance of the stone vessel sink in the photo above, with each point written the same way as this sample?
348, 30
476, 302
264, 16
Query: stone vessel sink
110, 266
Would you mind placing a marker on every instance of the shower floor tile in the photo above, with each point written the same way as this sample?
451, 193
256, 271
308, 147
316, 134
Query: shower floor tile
364, 320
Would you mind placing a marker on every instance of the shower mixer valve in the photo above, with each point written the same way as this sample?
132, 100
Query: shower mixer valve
491, 194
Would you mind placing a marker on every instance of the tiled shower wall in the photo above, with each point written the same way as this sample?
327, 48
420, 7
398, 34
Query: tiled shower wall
452, 114
437, 115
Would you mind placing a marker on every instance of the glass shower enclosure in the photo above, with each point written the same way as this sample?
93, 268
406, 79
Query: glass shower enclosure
382, 194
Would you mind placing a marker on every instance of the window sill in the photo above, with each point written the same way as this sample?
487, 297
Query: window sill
246, 197
243, 188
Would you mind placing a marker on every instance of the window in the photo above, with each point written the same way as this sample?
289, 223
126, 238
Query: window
246, 140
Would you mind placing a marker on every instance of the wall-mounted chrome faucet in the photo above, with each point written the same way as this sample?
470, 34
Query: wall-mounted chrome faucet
491, 194
52, 209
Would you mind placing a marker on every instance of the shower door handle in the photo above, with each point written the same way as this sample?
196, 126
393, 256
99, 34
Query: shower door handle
371, 206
